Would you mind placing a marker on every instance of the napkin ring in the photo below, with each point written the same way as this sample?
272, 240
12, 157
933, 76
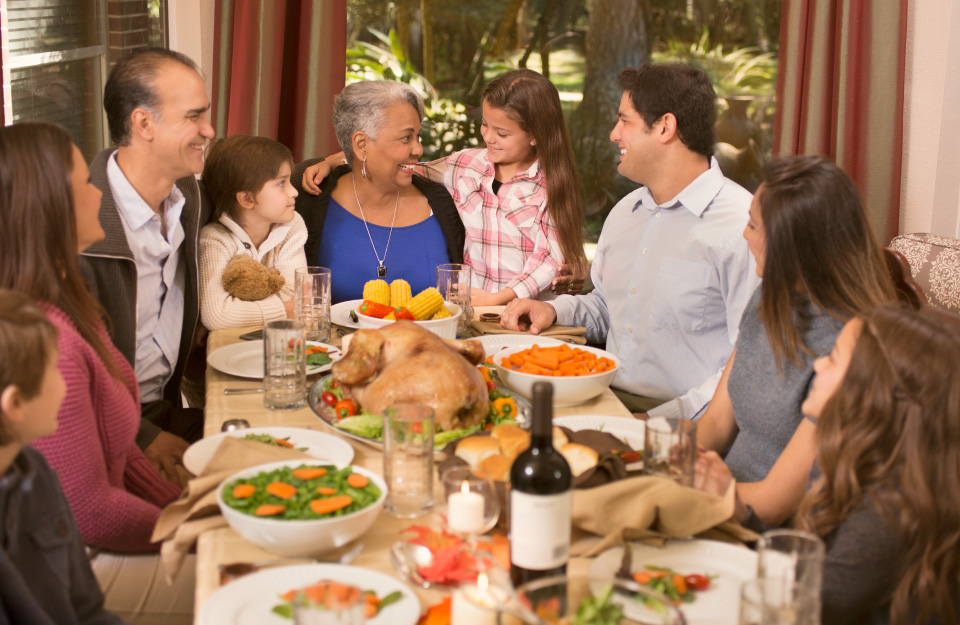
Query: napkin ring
490, 317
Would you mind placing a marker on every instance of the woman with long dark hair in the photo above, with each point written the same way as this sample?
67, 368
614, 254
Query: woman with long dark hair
821, 264
49, 210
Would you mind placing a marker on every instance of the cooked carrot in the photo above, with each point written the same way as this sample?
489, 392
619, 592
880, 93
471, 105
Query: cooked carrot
309, 473
642, 577
283, 443
357, 481
270, 510
560, 360
326, 506
242, 491
370, 609
680, 583
281, 490
326, 490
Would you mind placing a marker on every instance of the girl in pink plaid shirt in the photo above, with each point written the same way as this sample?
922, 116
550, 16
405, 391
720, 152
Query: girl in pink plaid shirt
516, 240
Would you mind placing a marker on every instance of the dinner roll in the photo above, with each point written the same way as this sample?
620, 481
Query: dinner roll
579, 457
559, 438
496, 467
512, 439
474, 449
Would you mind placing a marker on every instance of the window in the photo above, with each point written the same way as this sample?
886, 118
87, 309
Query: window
56, 55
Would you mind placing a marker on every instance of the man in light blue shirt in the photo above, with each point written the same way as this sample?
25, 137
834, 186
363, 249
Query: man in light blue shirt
672, 273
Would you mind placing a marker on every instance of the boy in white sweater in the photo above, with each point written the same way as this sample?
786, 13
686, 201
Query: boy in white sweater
248, 181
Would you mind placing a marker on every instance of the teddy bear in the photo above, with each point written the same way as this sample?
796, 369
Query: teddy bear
249, 280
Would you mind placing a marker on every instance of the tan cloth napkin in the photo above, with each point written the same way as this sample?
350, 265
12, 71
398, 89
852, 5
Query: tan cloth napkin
652, 509
570, 334
196, 511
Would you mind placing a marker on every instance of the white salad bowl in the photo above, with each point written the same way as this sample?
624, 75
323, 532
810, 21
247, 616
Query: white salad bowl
309, 537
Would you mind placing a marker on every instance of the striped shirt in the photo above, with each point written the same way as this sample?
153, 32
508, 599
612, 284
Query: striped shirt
510, 240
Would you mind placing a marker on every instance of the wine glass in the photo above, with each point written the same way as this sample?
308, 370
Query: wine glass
470, 505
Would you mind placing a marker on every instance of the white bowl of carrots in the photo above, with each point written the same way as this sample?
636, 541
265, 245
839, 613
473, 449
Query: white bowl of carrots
578, 372
316, 516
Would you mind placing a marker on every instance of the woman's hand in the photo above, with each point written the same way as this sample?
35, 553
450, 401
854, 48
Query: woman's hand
711, 474
315, 174
479, 297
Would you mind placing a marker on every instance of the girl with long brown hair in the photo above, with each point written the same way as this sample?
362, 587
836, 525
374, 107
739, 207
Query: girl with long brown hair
49, 210
888, 450
821, 264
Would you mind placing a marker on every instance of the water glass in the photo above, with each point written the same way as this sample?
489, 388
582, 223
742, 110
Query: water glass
670, 448
793, 559
311, 301
408, 459
340, 606
454, 282
284, 365
767, 602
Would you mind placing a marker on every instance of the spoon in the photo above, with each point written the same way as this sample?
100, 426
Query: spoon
234, 424
408, 558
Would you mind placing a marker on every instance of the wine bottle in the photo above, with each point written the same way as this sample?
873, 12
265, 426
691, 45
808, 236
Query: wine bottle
540, 499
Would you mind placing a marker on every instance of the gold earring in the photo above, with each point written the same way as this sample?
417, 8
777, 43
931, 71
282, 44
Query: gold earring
363, 168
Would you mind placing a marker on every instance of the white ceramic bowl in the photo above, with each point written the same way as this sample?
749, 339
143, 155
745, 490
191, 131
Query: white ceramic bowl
567, 390
444, 328
309, 537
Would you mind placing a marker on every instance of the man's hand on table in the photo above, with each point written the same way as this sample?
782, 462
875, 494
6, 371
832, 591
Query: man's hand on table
522, 315
165, 453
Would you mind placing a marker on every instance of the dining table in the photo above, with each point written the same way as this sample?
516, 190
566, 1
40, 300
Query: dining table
223, 545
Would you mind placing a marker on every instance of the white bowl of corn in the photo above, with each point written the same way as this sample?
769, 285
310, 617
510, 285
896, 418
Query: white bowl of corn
428, 307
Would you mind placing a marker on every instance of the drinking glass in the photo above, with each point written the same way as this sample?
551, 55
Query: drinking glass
470, 503
284, 365
408, 459
311, 301
670, 448
767, 602
454, 281
794, 560
340, 606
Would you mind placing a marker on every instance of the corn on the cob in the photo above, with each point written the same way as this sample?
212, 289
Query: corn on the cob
390, 316
443, 313
377, 291
426, 303
400, 294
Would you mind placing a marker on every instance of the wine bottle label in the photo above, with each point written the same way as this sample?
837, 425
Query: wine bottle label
539, 530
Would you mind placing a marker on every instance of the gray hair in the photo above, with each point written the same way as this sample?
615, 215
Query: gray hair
361, 107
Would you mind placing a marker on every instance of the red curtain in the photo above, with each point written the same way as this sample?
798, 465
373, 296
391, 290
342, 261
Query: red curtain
840, 94
277, 66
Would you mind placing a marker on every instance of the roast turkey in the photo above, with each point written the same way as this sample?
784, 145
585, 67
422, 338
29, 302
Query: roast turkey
403, 363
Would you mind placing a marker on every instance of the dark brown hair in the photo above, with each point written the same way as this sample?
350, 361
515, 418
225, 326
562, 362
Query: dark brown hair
534, 103
889, 437
130, 86
27, 342
241, 163
684, 90
820, 246
38, 241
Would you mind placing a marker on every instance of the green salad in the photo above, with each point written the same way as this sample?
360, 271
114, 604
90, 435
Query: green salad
301, 493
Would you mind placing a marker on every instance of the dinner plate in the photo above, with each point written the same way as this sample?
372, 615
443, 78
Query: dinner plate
245, 359
629, 431
250, 599
329, 418
493, 343
340, 313
316, 444
732, 565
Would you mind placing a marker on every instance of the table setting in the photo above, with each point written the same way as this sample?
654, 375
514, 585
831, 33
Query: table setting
437, 529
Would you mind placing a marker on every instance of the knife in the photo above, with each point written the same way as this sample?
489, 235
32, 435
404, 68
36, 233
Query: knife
242, 391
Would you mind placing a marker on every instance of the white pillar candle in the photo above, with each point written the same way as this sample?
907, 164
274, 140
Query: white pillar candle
465, 510
473, 605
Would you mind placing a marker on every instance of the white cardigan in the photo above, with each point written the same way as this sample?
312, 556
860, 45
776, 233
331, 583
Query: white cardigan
219, 242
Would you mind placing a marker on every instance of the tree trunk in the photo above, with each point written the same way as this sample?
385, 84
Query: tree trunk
403, 27
510, 14
426, 18
617, 39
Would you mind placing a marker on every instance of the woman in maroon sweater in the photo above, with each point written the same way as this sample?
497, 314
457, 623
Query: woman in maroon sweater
49, 211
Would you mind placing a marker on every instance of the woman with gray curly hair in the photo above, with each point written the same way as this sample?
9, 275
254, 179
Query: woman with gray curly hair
374, 218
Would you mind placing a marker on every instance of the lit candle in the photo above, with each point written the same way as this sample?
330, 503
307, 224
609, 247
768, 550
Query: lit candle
473, 605
465, 510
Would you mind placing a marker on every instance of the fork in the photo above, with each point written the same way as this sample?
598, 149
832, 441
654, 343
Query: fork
234, 570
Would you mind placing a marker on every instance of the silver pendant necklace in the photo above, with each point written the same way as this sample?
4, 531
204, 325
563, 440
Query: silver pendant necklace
381, 268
